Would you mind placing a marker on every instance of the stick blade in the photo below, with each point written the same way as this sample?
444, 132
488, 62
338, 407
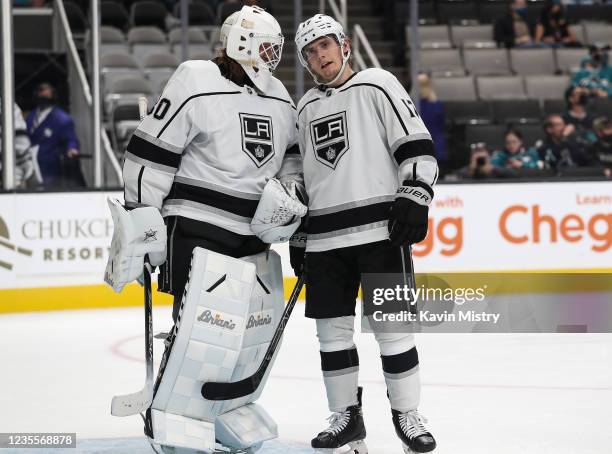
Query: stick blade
132, 404
229, 391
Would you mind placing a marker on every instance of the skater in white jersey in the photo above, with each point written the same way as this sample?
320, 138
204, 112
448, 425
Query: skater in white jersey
211, 178
369, 173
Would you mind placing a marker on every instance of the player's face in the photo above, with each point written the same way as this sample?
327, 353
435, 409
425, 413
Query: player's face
324, 57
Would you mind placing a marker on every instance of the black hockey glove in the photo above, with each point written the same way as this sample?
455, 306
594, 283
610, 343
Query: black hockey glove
409, 213
297, 252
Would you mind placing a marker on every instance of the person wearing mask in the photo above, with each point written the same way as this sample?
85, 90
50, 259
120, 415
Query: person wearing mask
515, 155
54, 140
595, 74
514, 29
577, 116
553, 29
558, 150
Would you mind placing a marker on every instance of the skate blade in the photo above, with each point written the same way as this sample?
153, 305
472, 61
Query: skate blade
407, 450
353, 447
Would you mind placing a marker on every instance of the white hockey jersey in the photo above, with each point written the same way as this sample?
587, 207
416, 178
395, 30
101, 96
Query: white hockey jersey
207, 148
358, 141
22, 140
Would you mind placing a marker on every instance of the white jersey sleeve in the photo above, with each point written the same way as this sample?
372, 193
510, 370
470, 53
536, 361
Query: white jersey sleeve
408, 139
154, 152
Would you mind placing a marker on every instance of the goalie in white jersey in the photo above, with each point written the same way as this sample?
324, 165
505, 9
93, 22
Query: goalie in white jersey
369, 173
217, 157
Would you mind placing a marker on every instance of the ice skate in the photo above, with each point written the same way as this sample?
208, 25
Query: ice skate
410, 427
345, 433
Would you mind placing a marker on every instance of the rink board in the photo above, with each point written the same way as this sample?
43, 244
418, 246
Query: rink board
141, 446
53, 256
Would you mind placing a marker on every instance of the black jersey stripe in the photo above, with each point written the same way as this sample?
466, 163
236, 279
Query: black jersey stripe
397, 114
199, 95
153, 153
351, 217
216, 199
413, 149
339, 360
309, 102
402, 362
140, 183
277, 99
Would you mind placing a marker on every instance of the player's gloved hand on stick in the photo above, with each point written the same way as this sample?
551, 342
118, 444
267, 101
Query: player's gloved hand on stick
137, 233
278, 213
297, 252
409, 213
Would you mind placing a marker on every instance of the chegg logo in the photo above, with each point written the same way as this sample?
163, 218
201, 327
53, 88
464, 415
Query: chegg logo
571, 228
443, 233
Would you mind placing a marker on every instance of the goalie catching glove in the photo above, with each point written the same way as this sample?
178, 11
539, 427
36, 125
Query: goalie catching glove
279, 212
409, 213
138, 233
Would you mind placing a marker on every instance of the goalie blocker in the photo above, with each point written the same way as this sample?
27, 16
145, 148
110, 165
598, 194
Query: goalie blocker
227, 318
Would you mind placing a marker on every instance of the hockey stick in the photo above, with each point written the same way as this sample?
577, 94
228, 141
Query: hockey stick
132, 404
234, 390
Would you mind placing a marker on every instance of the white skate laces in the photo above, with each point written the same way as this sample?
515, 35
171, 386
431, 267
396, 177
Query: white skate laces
338, 422
412, 424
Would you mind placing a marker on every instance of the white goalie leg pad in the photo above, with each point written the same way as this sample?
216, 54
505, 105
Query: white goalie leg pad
265, 311
245, 427
228, 315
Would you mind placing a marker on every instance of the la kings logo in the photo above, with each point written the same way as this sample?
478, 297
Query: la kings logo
257, 137
329, 138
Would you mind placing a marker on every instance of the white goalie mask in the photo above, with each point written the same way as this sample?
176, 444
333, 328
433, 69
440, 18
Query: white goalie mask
253, 38
316, 27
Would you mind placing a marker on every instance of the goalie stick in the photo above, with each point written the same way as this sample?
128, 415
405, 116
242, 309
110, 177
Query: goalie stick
234, 390
132, 404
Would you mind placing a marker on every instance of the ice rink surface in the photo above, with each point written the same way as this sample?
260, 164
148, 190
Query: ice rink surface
482, 393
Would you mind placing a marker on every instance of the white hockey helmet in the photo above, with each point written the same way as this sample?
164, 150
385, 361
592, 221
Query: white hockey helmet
254, 40
314, 28
225, 27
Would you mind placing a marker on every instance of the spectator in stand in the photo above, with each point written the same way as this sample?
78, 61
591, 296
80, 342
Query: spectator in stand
515, 155
595, 73
553, 29
515, 29
480, 166
54, 140
600, 153
559, 151
432, 113
577, 99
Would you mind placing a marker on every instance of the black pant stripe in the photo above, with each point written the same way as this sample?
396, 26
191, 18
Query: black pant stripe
402, 362
352, 217
342, 359
233, 204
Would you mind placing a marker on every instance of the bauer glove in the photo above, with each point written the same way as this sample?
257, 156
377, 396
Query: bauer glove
409, 214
